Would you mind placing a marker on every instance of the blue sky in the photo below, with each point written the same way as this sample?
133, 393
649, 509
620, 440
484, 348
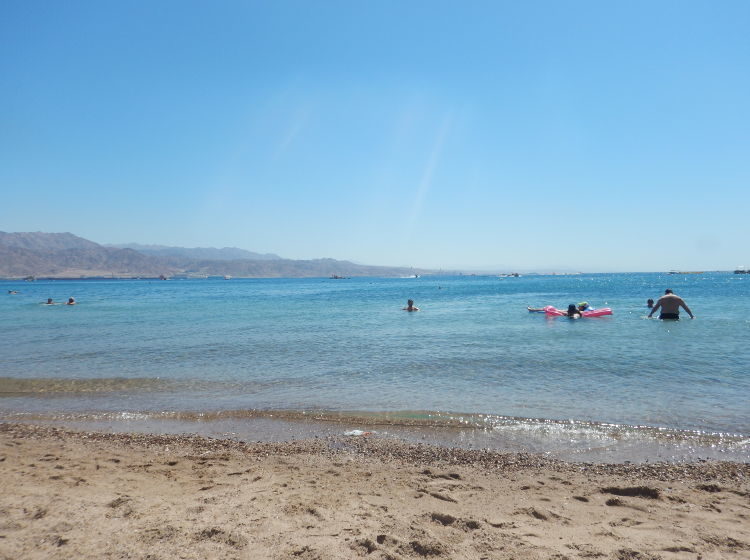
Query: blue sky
591, 136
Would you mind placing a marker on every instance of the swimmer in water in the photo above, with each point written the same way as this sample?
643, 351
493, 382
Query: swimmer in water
49, 301
573, 312
71, 301
410, 306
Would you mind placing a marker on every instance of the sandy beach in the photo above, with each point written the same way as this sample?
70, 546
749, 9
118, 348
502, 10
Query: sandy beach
70, 494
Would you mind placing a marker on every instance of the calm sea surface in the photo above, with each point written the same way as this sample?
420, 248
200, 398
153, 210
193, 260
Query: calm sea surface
473, 367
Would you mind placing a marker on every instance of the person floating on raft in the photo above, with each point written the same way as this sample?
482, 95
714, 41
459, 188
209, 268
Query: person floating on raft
583, 309
574, 312
582, 306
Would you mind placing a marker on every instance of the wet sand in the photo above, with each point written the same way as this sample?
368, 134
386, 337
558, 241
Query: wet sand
69, 494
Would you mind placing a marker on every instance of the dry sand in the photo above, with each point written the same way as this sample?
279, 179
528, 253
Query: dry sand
82, 495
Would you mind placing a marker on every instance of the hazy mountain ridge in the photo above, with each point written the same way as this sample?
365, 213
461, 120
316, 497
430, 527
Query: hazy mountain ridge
197, 253
285, 268
40, 241
64, 255
67, 255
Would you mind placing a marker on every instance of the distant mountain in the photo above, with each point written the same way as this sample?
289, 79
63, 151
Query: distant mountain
286, 268
198, 253
64, 255
39, 241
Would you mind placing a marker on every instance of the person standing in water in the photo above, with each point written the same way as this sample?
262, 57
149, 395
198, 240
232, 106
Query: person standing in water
410, 306
670, 306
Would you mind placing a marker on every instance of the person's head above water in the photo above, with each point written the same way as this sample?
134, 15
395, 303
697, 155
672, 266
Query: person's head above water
667, 291
650, 302
573, 310
583, 306
49, 300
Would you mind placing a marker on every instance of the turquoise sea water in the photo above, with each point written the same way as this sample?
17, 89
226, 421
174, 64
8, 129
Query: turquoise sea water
232, 351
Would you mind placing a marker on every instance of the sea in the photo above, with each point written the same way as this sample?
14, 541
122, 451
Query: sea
283, 359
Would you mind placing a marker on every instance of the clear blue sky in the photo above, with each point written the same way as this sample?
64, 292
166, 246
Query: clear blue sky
592, 136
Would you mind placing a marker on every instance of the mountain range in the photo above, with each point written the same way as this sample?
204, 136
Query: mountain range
64, 255
200, 253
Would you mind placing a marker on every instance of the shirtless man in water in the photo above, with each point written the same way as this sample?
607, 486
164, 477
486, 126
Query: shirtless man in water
670, 306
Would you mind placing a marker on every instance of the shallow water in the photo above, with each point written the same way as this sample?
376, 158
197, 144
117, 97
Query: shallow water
214, 347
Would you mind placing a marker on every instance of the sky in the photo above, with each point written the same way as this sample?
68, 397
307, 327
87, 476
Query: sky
473, 135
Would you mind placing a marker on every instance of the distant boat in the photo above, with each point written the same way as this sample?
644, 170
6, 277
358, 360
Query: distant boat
227, 277
685, 272
742, 270
337, 277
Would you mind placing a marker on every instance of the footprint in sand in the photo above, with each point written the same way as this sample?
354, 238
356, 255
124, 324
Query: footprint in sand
121, 507
233, 539
446, 519
633, 491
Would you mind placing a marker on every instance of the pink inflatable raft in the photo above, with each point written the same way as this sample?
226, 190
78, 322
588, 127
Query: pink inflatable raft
554, 312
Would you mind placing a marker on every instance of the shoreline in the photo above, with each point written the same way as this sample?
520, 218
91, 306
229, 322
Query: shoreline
567, 440
389, 450
90, 494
